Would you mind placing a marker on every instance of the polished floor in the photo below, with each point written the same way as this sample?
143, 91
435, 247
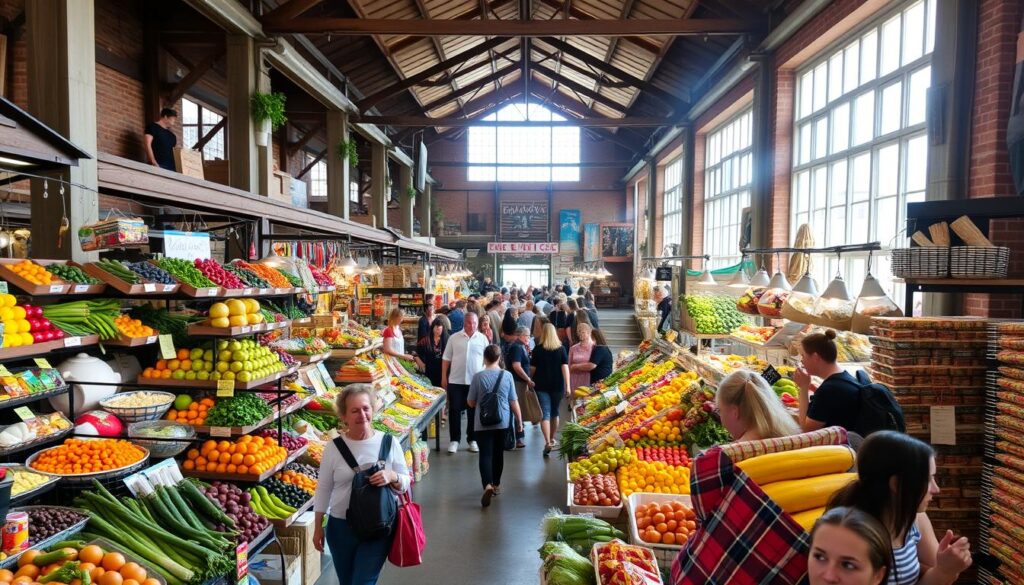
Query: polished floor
467, 544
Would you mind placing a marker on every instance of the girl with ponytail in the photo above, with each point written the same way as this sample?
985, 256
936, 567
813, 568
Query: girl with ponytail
750, 410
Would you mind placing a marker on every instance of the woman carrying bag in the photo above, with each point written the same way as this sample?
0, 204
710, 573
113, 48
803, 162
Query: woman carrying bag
493, 396
517, 361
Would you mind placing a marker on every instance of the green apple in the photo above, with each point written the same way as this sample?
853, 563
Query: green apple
225, 356
222, 345
182, 401
215, 376
244, 376
196, 354
236, 366
234, 345
208, 355
208, 366
190, 375
178, 374
227, 376
203, 375
197, 365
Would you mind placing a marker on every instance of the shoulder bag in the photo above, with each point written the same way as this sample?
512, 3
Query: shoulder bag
371, 509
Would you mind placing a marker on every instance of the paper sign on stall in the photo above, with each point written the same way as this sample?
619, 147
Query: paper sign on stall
943, 425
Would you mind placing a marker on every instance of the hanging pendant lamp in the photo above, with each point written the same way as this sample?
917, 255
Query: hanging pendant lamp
807, 285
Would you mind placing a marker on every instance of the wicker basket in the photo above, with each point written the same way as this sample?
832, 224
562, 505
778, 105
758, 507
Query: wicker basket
131, 414
979, 261
161, 449
921, 262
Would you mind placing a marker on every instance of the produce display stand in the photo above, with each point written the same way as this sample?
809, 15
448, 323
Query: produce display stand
38, 442
39, 490
46, 542
349, 353
286, 522
212, 384
211, 475
45, 348
126, 288
13, 402
97, 475
124, 341
109, 546
665, 553
38, 290
200, 330
605, 512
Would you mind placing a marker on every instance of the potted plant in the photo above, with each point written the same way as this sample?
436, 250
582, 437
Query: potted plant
268, 113
410, 192
438, 219
347, 150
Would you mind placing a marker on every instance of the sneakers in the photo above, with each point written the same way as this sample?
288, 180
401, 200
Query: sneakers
473, 447
520, 444
497, 490
485, 500
453, 447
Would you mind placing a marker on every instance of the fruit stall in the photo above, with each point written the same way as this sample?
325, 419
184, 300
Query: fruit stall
163, 419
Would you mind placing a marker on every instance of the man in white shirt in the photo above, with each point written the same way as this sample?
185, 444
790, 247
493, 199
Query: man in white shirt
463, 357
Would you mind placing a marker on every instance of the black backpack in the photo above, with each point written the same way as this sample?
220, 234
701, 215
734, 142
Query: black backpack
371, 510
490, 404
879, 410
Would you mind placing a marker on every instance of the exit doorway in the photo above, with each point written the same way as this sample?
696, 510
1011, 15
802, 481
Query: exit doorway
524, 275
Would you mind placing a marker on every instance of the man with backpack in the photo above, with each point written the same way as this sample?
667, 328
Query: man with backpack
841, 400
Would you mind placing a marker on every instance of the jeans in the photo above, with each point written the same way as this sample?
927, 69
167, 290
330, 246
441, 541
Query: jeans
457, 395
492, 456
549, 403
356, 562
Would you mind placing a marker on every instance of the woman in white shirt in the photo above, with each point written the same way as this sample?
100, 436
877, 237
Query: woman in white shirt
356, 562
394, 342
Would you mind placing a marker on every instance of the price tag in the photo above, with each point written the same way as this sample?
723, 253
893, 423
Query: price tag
242, 560
211, 292
151, 339
149, 287
771, 375
81, 288
43, 364
608, 394
225, 388
264, 291
943, 425
4, 371
168, 287
245, 328
24, 413
167, 347
3, 287
621, 407
72, 341
56, 288
220, 431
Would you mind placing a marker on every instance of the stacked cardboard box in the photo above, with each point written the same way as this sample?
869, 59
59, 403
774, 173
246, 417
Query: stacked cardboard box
940, 362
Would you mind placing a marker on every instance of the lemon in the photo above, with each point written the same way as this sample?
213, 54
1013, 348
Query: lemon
236, 307
12, 340
251, 305
7, 300
253, 318
19, 312
238, 320
26, 338
24, 326
218, 310
220, 322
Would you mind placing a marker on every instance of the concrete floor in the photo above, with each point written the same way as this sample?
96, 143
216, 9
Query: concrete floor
468, 544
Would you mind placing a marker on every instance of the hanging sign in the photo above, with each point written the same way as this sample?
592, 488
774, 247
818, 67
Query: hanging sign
187, 245
522, 247
663, 273
524, 220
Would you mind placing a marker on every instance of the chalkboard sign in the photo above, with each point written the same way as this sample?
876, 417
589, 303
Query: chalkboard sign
771, 375
663, 273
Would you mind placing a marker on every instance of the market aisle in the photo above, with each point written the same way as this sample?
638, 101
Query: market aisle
468, 544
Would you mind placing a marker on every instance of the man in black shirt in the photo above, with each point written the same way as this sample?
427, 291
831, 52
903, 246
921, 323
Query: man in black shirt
160, 141
664, 308
423, 327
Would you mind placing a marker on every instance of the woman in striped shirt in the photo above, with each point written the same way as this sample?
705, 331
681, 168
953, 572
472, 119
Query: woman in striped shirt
895, 482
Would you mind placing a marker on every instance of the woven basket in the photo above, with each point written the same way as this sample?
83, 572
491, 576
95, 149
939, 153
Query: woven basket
979, 261
921, 262
131, 414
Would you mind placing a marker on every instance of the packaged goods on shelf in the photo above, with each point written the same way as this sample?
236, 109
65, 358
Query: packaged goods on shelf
32, 430
711, 314
112, 233
747, 302
616, 562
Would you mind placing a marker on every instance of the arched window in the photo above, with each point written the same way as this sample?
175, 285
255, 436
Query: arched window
534, 152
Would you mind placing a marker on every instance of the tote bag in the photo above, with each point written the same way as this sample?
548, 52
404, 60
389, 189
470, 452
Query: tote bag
529, 404
410, 539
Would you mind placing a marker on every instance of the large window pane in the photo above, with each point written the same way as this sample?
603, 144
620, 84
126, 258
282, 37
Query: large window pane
727, 176
835, 77
864, 118
920, 80
852, 70
821, 137
540, 145
840, 128
892, 108
868, 56
890, 51
913, 33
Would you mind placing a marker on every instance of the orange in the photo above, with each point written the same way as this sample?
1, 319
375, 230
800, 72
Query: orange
6, 575
111, 577
113, 561
30, 571
188, 465
96, 573
27, 557
232, 468
668, 538
242, 470
237, 458
223, 446
133, 571
183, 354
161, 364
658, 518
90, 554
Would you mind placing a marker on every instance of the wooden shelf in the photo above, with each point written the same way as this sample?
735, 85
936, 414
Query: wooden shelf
200, 330
311, 359
19, 400
142, 289
238, 431
131, 341
245, 478
58, 287
286, 522
42, 349
212, 384
347, 354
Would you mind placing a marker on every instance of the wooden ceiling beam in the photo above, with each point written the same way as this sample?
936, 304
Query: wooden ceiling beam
289, 10
195, 73
311, 164
479, 11
201, 143
457, 122
304, 140
569, 10
667, 98
442, 67
579, 88
627, 7
513, 28
472, 87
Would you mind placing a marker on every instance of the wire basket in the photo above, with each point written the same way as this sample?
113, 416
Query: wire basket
920, 262
979, 261
132, 414
161, 449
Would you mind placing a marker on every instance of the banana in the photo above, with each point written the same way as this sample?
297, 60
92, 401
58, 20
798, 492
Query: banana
280, 505
267, 501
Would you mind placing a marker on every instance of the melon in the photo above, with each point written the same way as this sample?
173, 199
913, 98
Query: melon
98, 423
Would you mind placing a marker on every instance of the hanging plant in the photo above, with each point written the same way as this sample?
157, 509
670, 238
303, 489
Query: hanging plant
410, 192
268, 106
347, 150
438, 216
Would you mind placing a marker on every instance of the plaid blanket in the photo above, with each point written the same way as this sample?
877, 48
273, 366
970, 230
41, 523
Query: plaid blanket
744, 537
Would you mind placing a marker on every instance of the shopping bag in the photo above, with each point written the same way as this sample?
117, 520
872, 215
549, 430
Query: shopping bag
510, 436
409, 540
529, 405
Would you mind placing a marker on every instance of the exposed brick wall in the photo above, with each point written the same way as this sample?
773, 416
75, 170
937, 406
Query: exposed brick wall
120, 118
782, 150
998, 23
697, 212
16, 66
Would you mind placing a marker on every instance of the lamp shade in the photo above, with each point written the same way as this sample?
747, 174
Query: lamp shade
760, 278
739, 279
707, 279
871, 288
837, 290
779, 281
807, 285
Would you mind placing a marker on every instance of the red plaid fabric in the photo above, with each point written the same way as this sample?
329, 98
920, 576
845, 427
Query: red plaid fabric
743, 536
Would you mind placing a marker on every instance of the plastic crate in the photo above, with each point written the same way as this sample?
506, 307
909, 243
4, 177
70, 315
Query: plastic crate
665, 553
605, 512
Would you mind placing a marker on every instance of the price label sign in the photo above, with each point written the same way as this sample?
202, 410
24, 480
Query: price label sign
621, 407
81, 288
43, 364
149, 287
4, 371
56, 289
225, 388
3, 287
24, 413
771, 375
167, 347
245, 328
220, 431
943, 425
151, 339
168, 287
242, 560
72, 341
211, 292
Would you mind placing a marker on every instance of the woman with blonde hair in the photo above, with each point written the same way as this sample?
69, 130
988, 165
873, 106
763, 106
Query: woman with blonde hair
549, 368
750, 410
394, 341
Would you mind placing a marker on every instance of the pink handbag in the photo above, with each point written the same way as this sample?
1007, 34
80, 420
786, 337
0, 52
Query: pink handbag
409, 538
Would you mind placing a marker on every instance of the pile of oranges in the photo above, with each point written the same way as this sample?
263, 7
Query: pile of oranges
300, 480
653, 477
194, 415
78, 456
669, 522
246, 456
133, 327
32, 272
104, 568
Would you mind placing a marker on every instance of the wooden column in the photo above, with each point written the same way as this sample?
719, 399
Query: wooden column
379, 185
652, 197
405, 201
424, 202
338, 170
241, 72
264, 154
762, 156
62, 94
